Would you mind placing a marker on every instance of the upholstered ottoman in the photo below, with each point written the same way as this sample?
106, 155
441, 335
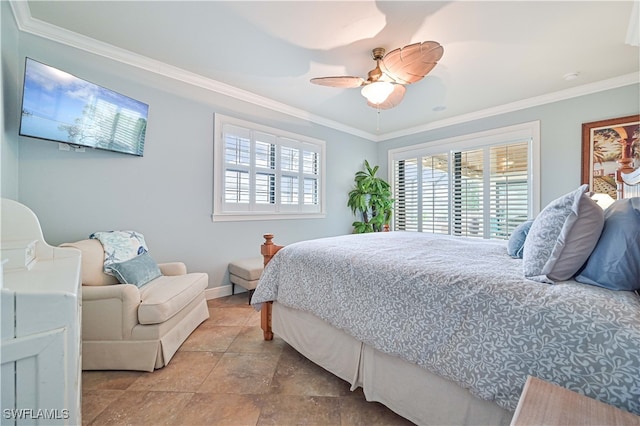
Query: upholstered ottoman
245, 273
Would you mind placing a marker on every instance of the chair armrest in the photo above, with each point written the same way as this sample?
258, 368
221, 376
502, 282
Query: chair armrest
118, 291
109, 312
173, 268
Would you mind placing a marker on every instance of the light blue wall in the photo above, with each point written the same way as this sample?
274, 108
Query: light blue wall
560, 134
10, 99
167, 194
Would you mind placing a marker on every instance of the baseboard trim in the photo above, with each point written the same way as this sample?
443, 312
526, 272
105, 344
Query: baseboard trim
222, 291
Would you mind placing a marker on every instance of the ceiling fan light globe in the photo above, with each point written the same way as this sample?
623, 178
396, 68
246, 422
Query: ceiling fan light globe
377, 92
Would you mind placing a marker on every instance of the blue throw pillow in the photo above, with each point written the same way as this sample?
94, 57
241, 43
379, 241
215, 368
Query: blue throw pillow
139, 270
615, 262
515, 245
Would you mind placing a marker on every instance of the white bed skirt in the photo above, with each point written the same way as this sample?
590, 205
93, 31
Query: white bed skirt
407, 389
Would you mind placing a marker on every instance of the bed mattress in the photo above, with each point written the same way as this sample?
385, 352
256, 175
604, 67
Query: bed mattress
461, 309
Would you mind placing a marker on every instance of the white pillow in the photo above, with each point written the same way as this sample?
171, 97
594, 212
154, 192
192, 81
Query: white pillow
562, 237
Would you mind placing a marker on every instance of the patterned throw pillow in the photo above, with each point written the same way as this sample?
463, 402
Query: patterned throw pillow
120, 246
562, 237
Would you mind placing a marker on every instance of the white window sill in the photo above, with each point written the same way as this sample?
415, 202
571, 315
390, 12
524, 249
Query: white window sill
240, 217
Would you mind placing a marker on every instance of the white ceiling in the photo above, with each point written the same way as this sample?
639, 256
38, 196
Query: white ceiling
498, 56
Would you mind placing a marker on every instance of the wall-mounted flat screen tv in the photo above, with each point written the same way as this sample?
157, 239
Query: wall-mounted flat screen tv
60, 107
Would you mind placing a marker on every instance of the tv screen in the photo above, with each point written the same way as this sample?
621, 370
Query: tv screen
60, 107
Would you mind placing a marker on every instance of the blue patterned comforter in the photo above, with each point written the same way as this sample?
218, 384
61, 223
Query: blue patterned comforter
460, 308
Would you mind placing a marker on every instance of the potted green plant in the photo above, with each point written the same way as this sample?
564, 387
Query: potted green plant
371, 200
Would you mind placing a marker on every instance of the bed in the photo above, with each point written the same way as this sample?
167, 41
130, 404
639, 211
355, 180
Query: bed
442, 341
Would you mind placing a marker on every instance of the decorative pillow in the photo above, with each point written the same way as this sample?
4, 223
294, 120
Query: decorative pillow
615, 262
139, 270
120, 246
562, 237
515, 245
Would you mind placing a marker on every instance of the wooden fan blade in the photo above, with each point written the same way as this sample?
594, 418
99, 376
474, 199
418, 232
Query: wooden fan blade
343, 82
411, 63
393, 99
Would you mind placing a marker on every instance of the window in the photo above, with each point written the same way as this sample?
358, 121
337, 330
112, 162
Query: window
265, 173
479, 185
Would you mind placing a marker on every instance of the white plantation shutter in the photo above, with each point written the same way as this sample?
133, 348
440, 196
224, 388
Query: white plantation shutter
290, 166
310, 191
467, 193
265, 169
406, 195
262, 171
237, 156
435, 194
509, 192
310, 178
475, 191
236, 188
289, 190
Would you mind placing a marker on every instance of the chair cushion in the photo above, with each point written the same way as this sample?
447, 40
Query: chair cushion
165, 296
247, 269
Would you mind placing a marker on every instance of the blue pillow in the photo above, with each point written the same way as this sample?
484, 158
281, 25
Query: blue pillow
515, 245
615, 262
138, 271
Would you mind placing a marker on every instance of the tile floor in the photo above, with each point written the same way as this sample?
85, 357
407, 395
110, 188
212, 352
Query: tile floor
226, 374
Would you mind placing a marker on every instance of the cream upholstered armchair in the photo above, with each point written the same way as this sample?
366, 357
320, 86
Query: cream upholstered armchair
126, 327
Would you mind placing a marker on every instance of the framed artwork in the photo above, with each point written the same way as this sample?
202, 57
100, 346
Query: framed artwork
609, 146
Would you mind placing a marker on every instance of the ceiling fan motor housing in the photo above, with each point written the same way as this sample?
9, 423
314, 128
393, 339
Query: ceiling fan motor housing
375, 74
378, 53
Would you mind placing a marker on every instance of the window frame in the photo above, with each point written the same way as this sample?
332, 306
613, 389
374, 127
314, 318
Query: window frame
253, 210
529, 131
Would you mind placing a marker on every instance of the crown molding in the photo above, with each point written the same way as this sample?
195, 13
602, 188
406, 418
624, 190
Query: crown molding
574, 92
28, 24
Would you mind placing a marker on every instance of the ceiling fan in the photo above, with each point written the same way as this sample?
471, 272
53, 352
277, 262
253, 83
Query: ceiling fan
384, 88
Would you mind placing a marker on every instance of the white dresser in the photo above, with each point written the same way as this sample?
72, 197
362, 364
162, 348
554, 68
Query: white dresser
41, 313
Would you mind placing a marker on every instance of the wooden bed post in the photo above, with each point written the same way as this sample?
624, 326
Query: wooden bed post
268, 250
265, 320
